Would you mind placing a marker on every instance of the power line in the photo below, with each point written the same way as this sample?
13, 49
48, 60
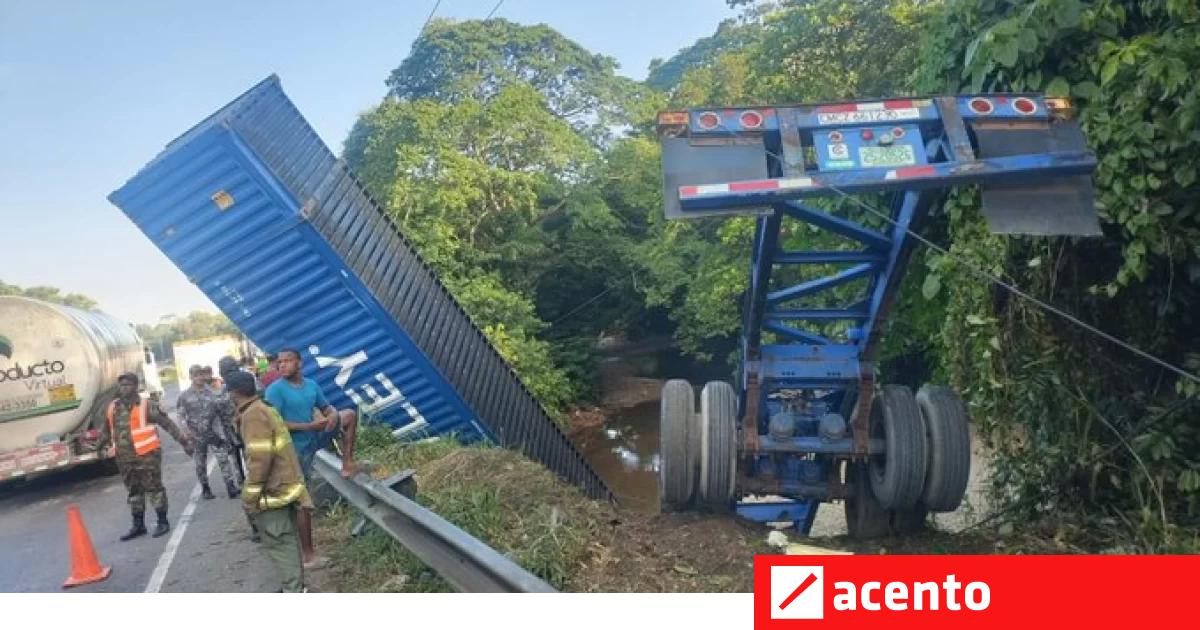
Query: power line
427, 20
578, 307
1022, 294
494, 9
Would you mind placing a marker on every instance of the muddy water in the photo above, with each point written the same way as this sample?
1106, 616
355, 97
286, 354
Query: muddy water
624, 452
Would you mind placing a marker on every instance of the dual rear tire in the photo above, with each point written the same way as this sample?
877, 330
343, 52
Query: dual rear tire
698, 448
925, 466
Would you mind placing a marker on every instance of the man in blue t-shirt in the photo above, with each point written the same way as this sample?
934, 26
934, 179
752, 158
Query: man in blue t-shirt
296, 399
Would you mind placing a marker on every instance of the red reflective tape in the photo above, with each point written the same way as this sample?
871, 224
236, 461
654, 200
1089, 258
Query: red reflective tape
898, 104
762, 184
832, 109
915, 171
688, 191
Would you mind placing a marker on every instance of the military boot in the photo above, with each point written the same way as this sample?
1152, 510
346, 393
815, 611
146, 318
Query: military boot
163, 526
232, 489
206, 492
138, 528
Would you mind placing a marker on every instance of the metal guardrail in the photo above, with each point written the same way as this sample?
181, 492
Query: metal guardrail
462, 560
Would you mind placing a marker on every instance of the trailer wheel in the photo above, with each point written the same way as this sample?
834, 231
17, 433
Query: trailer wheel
912, 521
676, 471
718, 444
865, 517
898, 476
949, 440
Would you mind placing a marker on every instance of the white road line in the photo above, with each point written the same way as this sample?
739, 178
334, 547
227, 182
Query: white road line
168, 554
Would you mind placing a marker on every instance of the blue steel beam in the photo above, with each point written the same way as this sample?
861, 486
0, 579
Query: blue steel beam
912, 207
818, 314
821, 284
838, 225
826, 258
794, 333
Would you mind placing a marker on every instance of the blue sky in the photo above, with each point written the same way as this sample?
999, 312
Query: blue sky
90, 91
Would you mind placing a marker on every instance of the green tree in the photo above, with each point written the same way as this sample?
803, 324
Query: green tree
492, 152
195, 325
477, 59
1083, 428
50, 294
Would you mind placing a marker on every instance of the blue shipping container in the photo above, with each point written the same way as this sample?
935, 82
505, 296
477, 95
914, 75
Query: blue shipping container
278, 233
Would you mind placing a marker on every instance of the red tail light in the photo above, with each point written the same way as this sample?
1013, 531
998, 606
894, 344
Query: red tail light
751, 119
981, 105
709, 120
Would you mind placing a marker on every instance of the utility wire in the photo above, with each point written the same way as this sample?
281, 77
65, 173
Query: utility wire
1021, 294
578, 307
1005, 285
428, 19
494, 9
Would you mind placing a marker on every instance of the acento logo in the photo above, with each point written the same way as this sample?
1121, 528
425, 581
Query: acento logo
18, 373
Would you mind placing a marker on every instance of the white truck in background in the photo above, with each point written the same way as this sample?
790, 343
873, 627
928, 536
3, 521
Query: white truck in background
58, 372
207, 352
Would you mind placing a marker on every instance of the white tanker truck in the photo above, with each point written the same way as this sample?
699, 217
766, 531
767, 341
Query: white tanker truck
58, 371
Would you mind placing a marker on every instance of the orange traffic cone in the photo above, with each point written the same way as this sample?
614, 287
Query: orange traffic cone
85, 566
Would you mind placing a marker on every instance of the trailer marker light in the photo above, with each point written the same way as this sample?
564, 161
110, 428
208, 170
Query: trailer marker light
867, 134
673, 118
751, 119
981, 105
709, 120
1024, 106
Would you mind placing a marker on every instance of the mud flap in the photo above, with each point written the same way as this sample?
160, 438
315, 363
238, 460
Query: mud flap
1058, 206
711, 161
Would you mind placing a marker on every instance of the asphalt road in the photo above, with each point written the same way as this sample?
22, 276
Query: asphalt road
211, 550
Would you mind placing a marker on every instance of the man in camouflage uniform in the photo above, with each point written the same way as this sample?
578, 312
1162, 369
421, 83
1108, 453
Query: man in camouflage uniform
208, 416
140, 459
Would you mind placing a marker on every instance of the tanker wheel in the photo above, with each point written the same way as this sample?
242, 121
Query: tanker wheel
718, 444
898, 475
107, 467
865, 517
949, 438
678, 462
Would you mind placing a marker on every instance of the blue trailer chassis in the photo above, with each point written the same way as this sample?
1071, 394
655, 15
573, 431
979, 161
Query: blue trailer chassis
812, 318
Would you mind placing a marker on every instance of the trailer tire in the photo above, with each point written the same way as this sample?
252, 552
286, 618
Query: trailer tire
677, 470
911, 521
718, 444
949, 439
865, 517
898, 476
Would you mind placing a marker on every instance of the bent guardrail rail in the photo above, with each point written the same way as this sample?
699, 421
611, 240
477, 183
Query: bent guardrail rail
461, 559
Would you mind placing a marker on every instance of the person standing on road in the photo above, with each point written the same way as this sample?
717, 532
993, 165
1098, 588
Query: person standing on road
208, 416
132, 424
215, 383
295, 398
274, 493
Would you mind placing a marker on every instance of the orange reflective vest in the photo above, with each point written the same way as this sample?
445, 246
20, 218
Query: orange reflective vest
144, 434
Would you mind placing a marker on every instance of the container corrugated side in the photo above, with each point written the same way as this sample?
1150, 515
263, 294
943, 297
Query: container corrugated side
305, 257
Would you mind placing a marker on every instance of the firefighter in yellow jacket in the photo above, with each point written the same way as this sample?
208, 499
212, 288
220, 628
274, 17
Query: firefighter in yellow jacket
132, 423
274, 487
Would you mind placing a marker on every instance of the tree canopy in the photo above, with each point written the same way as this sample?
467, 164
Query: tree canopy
525, 170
